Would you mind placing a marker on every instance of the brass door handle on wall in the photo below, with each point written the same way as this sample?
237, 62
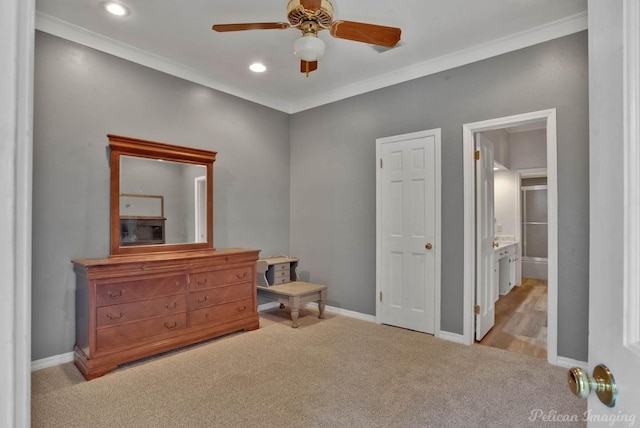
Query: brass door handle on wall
428, 246
602, 383
496, 244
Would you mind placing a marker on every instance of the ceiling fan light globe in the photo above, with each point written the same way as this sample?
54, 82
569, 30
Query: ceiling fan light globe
309, 48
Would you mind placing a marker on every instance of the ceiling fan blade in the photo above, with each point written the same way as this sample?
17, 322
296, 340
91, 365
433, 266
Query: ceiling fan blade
308, 66
366, 33
312, 5
251, 26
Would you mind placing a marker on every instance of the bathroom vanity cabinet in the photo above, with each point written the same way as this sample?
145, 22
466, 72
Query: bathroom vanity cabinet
506, 258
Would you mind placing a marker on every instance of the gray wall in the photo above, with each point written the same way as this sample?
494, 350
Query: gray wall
333, 174
501, 146
528, 149
80, 96
324, 211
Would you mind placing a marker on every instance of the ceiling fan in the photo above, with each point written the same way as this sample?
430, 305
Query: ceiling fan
311, 16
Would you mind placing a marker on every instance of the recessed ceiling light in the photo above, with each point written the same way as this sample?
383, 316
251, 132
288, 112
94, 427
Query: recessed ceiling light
257, 67
116, 8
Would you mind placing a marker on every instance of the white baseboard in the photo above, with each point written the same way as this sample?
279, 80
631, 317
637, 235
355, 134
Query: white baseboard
267, 306
569, 363
329, 309
56, 360
451, 337
445, 335
345, 312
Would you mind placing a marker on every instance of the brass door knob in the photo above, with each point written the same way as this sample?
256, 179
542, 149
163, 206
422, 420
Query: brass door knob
428, 246
602, 383
496, 244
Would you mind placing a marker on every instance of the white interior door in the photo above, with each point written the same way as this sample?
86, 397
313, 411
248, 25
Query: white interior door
614, 248
408, 179
485, 282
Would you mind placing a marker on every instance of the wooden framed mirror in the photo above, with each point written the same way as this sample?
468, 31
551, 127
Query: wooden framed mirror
161, 197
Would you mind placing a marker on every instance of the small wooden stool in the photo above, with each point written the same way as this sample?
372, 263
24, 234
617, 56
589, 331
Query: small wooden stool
295, 294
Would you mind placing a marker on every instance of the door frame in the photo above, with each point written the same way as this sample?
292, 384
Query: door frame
438, 219
469, 256
200, 209
17, 41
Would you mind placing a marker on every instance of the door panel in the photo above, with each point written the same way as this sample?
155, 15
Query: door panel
406, 224
485, 294
614, 215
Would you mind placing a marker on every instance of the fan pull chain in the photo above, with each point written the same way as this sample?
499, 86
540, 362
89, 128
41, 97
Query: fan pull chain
307, 64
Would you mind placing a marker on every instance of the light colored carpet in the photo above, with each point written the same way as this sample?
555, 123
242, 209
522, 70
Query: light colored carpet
337, 372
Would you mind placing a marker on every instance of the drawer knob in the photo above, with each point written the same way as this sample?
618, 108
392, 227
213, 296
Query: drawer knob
243, 276
203, 300
175, 304
202, 282
115, 317
244, 308
175, 324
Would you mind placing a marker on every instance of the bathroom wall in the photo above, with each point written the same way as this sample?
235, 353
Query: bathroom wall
505, 186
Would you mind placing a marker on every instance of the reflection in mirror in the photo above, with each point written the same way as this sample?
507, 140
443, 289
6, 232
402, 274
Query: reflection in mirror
151, 179
161, 197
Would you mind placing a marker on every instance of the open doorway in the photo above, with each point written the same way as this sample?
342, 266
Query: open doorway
546, 121
521, 240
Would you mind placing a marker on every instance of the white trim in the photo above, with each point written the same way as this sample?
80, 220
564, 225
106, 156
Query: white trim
543, 33
16, 166
57, 360
344, 312
268, 306
197, 183
570, 363
80, 35
53, 361
451, 337
468, 130
327, 308
631, 34
437, 244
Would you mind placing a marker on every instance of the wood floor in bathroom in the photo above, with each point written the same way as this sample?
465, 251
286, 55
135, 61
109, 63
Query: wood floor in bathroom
521, 320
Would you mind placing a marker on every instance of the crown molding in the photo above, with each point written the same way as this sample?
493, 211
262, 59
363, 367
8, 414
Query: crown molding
550, 31
82, 36
544, 33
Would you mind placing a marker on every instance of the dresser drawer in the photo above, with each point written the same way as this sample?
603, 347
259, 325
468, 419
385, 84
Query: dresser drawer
144, 288
216, 278
133, 333
227, 312
282, 274
219, 295
128, 312
284, 280
281, 266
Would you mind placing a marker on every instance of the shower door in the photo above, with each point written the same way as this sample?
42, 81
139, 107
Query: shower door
534, 231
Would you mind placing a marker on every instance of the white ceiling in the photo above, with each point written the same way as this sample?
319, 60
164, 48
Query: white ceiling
175, 36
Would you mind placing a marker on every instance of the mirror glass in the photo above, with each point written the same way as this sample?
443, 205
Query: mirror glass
161, 197
159, 202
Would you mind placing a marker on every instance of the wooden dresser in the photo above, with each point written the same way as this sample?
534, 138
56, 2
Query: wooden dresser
130, 307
